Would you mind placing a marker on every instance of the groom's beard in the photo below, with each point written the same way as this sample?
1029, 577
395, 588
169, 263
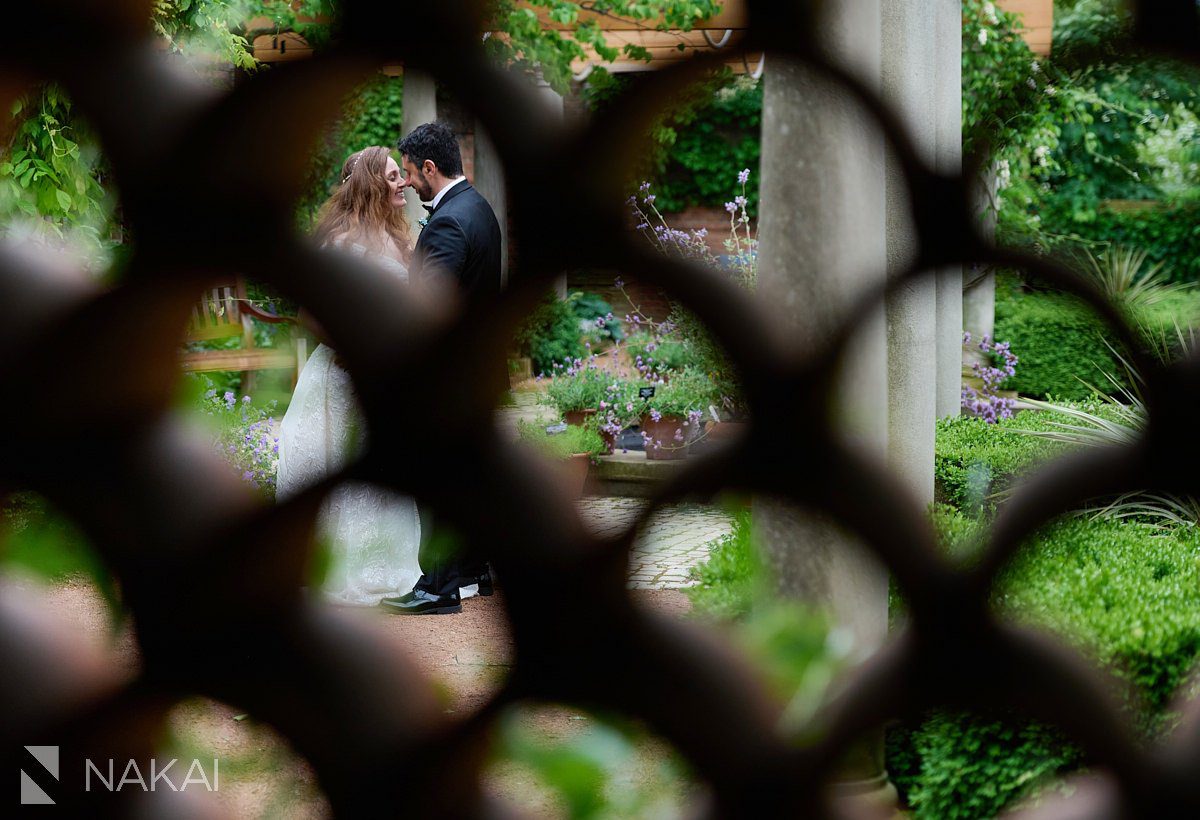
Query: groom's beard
423, 188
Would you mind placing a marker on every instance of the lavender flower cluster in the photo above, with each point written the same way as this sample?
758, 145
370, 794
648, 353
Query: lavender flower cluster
987, 404
246, 437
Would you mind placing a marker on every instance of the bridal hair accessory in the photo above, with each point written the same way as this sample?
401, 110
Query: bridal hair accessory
353, 165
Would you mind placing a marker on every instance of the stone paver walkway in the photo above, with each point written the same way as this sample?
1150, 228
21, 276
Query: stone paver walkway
676, 538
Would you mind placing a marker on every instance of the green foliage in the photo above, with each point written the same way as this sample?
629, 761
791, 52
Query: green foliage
704, 136
1124, 129
1124, 277
571, 441
217, 29
531, 46
959, 766
51, 174
688, 391
1005, 103
660, 353
243, 433
591, 308
729, 581
704, 145
974, 459
579, 389
607, 769
551, 335
1125, 593
1169, 234
1062, 343
37, 538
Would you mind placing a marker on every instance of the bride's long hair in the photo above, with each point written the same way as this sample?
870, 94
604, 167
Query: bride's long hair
361, 210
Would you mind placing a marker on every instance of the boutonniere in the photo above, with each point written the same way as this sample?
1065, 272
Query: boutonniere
422, 222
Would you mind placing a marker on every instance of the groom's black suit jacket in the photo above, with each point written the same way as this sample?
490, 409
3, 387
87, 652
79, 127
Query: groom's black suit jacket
462, 241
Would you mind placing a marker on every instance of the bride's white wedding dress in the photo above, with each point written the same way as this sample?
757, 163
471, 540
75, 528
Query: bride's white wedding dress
373, 534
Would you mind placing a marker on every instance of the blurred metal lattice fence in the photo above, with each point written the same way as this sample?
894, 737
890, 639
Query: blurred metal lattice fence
212, 578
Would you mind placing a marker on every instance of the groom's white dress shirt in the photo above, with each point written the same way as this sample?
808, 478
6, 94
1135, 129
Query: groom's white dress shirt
437, 199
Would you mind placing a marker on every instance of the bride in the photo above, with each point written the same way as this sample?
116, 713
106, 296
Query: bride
373, 534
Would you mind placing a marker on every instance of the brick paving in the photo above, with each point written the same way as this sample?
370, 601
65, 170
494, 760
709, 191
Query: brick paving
675, 539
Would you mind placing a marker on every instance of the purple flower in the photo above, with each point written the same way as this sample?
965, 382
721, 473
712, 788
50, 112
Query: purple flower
245, 399
744, 177
655, 415
740, 201
619, 283
731, 207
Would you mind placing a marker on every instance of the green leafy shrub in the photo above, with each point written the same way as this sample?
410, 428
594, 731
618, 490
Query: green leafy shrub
959, 766
551, 335
1169, 234
660, 353
688, 392
729, 581
571, 441
1062, 343
590, 307
1126, 593
578, 389
973, 459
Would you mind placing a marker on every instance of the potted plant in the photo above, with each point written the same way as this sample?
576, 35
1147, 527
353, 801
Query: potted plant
577, 391
673, 416
620, 408
573, 447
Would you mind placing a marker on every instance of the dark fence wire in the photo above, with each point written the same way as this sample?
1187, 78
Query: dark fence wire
212, 578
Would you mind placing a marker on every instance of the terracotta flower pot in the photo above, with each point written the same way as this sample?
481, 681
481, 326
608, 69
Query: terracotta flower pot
609, 440
665, 432
575, 471
576, 418
718, 434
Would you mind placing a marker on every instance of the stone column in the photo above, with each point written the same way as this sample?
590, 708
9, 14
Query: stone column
552, 102
821, 234
419, 105
948, 102
979, 283
909, 56
489, 181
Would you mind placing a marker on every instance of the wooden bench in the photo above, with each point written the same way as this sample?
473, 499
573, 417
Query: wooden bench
225, 312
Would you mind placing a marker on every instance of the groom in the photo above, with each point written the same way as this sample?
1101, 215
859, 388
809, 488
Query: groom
461, 242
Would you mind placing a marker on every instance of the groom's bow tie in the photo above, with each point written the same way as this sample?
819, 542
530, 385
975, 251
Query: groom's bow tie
428, 208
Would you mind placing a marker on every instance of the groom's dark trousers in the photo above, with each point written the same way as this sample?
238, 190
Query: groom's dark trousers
462, 242
444, 570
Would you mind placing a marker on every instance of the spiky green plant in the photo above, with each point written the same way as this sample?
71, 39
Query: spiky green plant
1122, 422
1119, 272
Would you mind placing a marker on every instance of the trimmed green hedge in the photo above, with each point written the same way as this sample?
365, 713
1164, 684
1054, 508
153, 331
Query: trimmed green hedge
1060, 343
973, 459
1126, 593
1169, 234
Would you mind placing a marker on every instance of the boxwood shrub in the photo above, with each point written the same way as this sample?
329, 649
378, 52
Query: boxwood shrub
974, 459
1124, 592
1060, 342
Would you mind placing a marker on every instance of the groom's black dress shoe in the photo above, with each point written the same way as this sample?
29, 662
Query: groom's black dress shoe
420, 602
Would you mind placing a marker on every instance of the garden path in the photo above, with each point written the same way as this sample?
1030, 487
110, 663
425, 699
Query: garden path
676, 538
